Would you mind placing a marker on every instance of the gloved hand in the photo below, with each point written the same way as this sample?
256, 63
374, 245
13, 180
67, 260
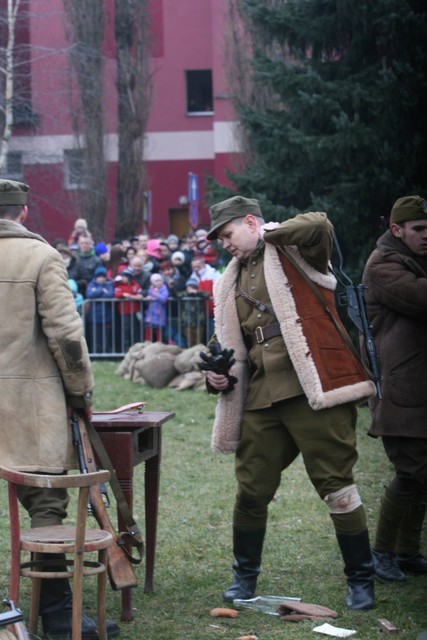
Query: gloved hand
220, 362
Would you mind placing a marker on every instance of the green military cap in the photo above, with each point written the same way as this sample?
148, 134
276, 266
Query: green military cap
235, 207
12, 192
408, 208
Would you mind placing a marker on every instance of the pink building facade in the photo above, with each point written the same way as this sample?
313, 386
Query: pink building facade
191, 129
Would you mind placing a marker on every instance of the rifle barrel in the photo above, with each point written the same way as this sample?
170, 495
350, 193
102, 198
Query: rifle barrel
77, 441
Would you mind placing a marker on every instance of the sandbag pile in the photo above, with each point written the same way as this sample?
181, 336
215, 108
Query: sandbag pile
163, 365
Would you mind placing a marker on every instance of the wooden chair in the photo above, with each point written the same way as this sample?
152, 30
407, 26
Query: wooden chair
60, 539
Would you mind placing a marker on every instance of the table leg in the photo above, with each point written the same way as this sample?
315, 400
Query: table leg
127, 487
152, 484
119, 448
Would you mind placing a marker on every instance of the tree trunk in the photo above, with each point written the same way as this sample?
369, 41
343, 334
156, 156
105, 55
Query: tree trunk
87, 21
7, 72
134, 94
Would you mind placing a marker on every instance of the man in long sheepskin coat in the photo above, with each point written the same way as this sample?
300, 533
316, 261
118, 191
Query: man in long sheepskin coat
44, 368
298, 383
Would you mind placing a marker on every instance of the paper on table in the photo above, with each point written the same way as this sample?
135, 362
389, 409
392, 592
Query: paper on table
337, 632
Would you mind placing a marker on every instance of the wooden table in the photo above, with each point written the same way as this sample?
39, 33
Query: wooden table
130, 438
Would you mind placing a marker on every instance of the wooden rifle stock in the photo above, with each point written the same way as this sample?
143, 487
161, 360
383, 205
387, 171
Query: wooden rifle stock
120, 570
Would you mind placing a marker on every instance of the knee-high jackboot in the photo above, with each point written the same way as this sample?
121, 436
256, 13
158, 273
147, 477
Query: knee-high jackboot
359, 569
56, 604
247, 549
408, 542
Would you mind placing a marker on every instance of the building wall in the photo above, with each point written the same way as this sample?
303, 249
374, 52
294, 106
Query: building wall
186, 35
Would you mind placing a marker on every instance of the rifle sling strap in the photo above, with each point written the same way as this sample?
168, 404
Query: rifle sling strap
254, 302
321, 299
133, 534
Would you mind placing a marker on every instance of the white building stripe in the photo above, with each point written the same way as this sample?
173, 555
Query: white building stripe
160, 145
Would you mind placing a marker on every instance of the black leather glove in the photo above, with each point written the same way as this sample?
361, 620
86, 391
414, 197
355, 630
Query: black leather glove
220, 362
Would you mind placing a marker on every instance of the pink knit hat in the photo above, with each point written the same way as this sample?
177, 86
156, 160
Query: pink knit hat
153, 248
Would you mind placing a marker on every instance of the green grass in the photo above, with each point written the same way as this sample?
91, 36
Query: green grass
193, 562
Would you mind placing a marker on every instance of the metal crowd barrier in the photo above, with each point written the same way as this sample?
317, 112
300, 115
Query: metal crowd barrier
111, 330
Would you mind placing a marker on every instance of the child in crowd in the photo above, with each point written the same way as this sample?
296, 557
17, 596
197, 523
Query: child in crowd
80, 229
178, 261
204, 247
175, 283
99, 313
130, 294
78, 298
155, 315
193, 313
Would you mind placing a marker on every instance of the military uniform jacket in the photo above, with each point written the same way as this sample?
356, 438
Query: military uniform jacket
396, 298
309, 357
43, 355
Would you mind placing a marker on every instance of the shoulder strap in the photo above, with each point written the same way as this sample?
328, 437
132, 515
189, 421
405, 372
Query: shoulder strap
133, 534
256, 303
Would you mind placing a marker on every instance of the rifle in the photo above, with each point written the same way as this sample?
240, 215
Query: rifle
77, 442
353, 298
14, 621
120, 570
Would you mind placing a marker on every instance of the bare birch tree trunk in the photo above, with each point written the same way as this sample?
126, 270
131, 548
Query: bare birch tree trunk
7, 71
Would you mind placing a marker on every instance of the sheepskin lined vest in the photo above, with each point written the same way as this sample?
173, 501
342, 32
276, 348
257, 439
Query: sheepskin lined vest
328, 371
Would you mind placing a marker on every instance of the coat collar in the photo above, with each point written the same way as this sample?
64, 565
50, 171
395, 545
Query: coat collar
389, 244
13, 229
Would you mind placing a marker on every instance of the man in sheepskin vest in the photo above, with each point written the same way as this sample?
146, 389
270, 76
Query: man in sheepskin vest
396, 296
44, 368
298, 383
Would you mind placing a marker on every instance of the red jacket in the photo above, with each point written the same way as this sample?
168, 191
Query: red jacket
130, 306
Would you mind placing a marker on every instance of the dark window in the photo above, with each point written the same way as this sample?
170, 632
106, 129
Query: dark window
199, 91
14, 165
74, 169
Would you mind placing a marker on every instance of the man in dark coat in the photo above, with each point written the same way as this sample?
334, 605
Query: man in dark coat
396, 294
86, 263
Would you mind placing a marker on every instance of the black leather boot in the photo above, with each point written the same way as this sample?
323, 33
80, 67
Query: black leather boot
408, 556
57, 626
247, 549
386, 567
359, 569
413, 563
56, 604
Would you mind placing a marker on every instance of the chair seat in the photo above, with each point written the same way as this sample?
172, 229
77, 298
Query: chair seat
61, 539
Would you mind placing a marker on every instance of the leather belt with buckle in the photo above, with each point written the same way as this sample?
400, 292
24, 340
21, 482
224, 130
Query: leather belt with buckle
261, 334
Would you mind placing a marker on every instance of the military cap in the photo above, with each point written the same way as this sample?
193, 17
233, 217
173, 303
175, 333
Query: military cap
408, 208
12, 192
235, 207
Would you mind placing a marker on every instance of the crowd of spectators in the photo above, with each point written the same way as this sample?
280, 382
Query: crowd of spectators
141, 288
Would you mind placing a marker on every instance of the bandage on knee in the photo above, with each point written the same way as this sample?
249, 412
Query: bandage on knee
344, 500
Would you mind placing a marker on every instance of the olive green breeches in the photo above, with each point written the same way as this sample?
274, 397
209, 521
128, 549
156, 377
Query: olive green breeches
271, 440
46, 507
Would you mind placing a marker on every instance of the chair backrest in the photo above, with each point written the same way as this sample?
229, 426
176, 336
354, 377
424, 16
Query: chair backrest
81, 481
54, 481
